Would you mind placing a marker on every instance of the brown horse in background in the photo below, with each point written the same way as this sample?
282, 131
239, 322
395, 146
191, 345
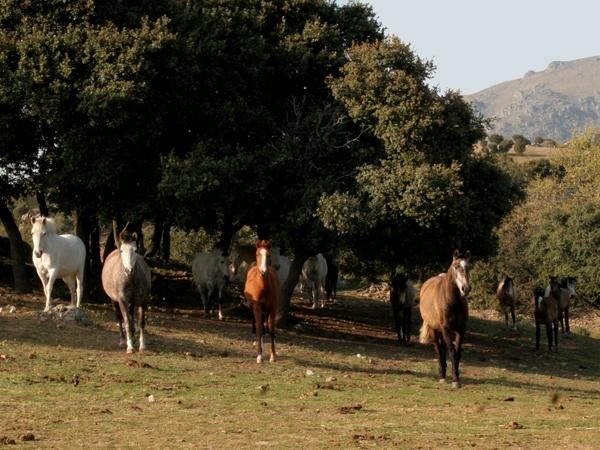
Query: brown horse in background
507, 295
445, 310
262, 294
546, 312
402, 298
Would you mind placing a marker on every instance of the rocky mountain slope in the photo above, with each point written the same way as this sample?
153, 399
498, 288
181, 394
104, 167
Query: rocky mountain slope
551, 103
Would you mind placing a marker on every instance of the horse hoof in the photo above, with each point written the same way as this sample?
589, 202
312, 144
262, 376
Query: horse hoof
272, 358
443, 380
455, 384
259, 359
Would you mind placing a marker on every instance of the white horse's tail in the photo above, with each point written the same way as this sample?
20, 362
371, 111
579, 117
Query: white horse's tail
427, 335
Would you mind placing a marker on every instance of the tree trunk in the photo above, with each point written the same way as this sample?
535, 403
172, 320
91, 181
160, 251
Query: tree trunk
166, 242
17, 252
283, 310
156, 237
42, 205
227, 234
95, 260
83, 231
137, 228
109, 246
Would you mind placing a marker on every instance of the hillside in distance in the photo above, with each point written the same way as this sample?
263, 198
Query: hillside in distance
552, 103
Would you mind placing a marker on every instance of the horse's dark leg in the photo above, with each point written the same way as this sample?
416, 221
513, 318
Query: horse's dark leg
555, 336
395, 313
537, 335
453, 355
567, 329
119, 318
459, 338
512, 313
407, 320
506, 318
205, 299
259, 331
440, 349
561, 320
549, 335
271, 323
141, 310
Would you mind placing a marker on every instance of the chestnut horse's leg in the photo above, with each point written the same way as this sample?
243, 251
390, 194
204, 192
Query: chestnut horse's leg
440, 349
555, 336
271, 322
549, 335
460, 334
259, 331
454, 355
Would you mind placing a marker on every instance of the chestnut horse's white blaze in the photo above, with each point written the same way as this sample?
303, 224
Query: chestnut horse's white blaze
57, 256
262, 267
462, 277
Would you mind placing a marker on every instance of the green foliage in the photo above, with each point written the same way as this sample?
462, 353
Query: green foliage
495, 138
556, 231
505, 145
520, 143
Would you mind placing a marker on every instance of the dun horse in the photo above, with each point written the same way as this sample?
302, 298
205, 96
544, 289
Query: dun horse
507, 295
262, 293
564, 292
402, 297
126, 280
57, 256
445, 310
545, 311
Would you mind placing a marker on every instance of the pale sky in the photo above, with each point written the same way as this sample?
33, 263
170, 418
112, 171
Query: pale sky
475, 44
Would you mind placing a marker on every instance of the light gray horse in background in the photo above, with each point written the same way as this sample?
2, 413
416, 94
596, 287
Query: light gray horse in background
57, 256
126, 280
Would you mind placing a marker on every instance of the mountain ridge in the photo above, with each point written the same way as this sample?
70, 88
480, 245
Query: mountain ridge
552, 103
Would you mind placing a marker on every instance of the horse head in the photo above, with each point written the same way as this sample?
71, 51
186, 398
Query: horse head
128, 250
554, 286
223, 264
40, 228
461, 272
538, 296
263, 253
571, 284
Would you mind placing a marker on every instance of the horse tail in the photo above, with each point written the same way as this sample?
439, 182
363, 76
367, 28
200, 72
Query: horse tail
427, 335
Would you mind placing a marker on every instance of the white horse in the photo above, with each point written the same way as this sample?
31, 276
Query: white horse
57, 256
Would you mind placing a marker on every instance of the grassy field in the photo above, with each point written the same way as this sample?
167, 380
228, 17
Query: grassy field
533, 153
70, 386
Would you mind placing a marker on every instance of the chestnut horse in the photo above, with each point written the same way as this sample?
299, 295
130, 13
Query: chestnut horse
445, 310
262, 294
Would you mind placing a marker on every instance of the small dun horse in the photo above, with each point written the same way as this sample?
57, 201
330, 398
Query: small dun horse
262, 294
402, 297
445, 310
57, 256
507, 296
545, 311
126, 280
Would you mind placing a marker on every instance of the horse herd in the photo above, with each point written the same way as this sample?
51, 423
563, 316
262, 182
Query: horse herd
262, 270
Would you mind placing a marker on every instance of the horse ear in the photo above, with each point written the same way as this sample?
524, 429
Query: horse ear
456, 254
33, 219
257, 243
134, 236
468, 255
44, 221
